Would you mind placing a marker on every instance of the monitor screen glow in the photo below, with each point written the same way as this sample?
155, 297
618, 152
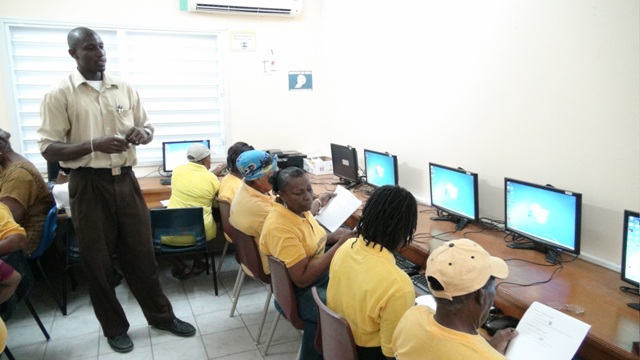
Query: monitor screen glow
380, 168
543, 214
454, 191
630, 269
174, 153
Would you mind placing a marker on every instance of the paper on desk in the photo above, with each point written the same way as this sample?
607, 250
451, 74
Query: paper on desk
546, 333
427, 300
164, 203
338, 209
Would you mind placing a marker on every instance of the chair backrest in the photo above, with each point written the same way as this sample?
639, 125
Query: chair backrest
249, 256
178, 222
225, 210
284, 292
48, 233
335, 332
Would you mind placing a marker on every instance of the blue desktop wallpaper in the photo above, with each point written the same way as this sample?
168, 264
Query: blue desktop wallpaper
176, 153
632, 260
453, 191
380, 169
544, 214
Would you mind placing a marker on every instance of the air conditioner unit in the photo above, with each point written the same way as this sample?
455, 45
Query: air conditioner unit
248, 7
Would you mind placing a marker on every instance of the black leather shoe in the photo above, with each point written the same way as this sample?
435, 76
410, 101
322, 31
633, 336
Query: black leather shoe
121, 343
178, 327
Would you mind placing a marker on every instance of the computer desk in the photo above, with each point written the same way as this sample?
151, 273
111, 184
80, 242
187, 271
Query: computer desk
614, 325
153, 192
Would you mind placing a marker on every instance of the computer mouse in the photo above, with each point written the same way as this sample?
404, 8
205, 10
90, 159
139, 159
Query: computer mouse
499, 323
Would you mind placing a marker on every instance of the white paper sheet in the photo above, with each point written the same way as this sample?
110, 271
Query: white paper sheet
427, 300
546, 333
164, 203
338, 209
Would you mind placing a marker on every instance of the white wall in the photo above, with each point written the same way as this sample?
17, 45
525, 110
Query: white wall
539, 90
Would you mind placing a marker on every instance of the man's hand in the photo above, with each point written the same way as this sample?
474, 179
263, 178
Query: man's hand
137, 136
110, 144
501, 339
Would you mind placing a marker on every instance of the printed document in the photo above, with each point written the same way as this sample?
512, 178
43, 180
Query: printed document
546, 333
338, 209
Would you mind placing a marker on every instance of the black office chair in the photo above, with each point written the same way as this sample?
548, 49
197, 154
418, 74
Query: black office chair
183, 223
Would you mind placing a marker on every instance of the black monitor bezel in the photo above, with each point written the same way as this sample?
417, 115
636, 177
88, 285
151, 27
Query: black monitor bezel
476, 207
546, 243
623, 264
395, 166
353, 158
164, 150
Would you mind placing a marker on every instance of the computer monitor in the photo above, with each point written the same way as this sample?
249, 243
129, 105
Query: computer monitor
174, 153
380, 168
454, 192
345, 164
630, 269
547, 216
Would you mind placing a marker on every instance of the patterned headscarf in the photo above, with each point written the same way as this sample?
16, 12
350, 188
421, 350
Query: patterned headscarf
254, 164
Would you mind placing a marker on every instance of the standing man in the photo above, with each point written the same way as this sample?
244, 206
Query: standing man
92, 124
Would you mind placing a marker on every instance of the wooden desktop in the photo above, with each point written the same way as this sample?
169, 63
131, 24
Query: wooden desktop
153, 191
614, 325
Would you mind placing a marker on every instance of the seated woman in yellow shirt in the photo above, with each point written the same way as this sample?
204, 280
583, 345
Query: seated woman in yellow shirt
194, 185
366, 287
291, 234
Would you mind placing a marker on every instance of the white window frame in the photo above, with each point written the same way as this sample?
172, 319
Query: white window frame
178, 74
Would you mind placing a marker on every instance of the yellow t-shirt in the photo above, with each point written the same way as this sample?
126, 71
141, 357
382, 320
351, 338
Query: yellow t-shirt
249, 210
371, 307
418, 336
193, 185
291, 238
229, 185
7, 225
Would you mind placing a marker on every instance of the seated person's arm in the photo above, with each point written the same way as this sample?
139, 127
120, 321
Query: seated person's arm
17, 209
305, 272
12, 243
501, 339
320, 201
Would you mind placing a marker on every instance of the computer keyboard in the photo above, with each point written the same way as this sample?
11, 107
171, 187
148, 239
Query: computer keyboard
165, 181
405, 265
420, 282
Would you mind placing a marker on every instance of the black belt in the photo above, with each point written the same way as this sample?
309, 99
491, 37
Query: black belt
98, 171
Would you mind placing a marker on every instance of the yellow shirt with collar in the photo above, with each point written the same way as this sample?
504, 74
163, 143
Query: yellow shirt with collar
369, 291
7, 225
249, 210
419, 336
192, 185
292, 238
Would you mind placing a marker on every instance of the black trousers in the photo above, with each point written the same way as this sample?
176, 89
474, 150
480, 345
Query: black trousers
111, 217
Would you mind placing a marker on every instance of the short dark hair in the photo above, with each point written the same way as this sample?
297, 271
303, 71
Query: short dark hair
389, 218
456, 301
234, 151
281, 178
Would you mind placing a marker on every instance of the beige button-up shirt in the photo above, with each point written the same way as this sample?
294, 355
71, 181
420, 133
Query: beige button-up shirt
74, 112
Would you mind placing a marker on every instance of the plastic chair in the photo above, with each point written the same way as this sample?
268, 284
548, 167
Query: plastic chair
181, 221
228, 230
47, 238
284, 293
335, 339
248, 255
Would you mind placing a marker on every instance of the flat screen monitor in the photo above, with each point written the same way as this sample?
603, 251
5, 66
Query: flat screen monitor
345, 164
630, 270
547, 216
380, 168
454, 192
174, 153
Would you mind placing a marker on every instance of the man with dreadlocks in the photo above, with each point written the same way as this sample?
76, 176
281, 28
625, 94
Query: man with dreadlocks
373, 308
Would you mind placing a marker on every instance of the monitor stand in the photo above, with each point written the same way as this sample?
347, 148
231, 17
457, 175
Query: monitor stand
552, 256
460, 222
345, 183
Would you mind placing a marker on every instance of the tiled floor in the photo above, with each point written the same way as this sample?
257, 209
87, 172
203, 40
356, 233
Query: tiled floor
78, 335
